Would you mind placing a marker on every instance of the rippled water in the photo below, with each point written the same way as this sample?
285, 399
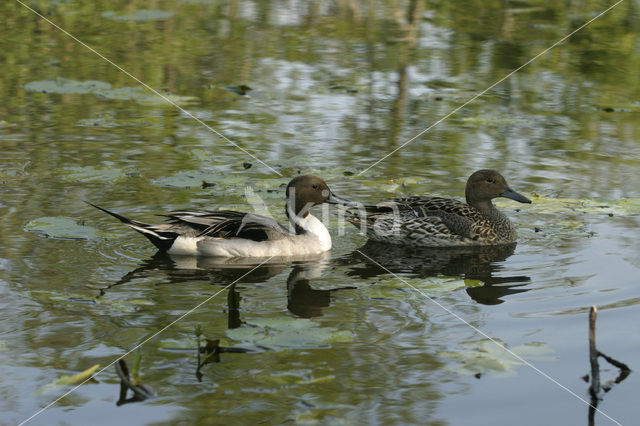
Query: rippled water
366, 334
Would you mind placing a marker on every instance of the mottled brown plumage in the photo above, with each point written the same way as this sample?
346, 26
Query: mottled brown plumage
437, 221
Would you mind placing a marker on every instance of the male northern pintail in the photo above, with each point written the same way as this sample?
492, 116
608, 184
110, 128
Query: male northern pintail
228, 233
443, 222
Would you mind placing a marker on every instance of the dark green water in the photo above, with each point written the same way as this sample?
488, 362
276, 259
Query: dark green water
335, 86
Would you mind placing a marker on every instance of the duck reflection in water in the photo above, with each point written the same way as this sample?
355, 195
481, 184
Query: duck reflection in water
475, 263
302, 299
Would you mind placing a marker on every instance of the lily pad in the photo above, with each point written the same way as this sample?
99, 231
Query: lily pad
395, 289
63, 228
151, 99
486, 356
104, 90
70, 380
92, 174
143, 96
139, 15
65, 86
287, 333
186, 179
553, 205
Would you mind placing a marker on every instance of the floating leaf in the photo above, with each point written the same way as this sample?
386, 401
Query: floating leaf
139, 15
62, 227
65, 86
287, 333
70, 380
93, 174
144, 97
122, 93
186, 179
486, 356
551, 205
169, 343
151, 99
104, 90
395, 289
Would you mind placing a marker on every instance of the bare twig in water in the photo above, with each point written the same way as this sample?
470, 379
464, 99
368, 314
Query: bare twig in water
140, 391
593, 354
621, 365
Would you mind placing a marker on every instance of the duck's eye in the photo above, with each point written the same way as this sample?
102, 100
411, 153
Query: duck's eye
314, 186
490, 180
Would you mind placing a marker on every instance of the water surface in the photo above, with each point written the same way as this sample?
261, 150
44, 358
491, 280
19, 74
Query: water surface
331, 87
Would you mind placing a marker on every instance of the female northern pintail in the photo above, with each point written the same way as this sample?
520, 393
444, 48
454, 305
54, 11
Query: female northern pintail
227, 233
440, 222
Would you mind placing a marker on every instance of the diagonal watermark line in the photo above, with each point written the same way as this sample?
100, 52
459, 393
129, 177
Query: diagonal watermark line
143, 342
477, 330
151, 89
455, 110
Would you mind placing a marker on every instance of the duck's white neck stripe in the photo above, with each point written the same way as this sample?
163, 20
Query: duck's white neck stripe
313, 225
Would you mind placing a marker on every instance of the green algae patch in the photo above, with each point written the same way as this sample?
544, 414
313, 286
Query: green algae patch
70, 380
287, 333
492, 357
140, 15
63, 228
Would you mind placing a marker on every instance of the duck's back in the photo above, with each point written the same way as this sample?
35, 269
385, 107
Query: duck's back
492, 227
460, 218
431, 222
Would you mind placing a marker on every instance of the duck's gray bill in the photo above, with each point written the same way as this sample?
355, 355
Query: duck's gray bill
335, 199
510, 193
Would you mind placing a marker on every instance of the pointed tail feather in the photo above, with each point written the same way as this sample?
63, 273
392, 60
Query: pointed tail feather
161, 239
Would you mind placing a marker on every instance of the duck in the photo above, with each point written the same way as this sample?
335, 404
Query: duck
443, 222
227, 234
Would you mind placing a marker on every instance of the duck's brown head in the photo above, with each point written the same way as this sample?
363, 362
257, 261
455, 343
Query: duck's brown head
485, 185
304, 192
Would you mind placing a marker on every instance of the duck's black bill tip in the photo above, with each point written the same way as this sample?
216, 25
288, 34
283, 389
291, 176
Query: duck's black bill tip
335, 199
510, 193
